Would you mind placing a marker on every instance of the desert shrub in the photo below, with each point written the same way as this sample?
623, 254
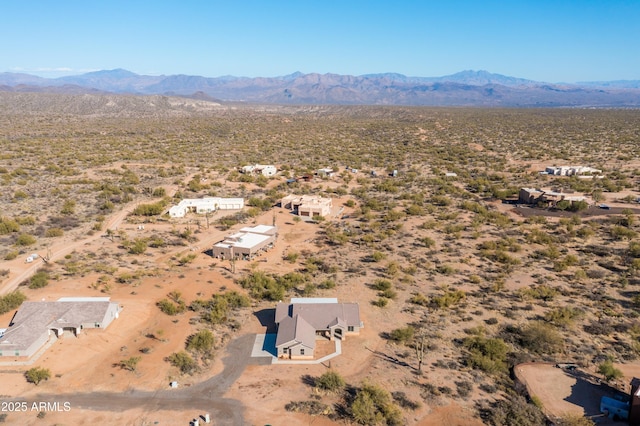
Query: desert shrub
541, 338
609, 372
464, 388
330, 381
36, 375
8, 225
53, 232
25, 240
217, 309
515, 412
202, 342
542, 292
574, 420
153, 209
563, 316
448, 299
327, 284
381, 285
292, 257
402, 335
313, 408
138, 246
171, 308
270, 287
39, 279
373, 405
486, 354
380, 302
186, 259
11, 301
129, 364
68, 207
159, 192
419, 299
183, 361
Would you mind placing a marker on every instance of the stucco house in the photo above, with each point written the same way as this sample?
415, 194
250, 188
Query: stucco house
246, 243
267, 170
550, 198
205, 205
34, 322
307, 205
304, 320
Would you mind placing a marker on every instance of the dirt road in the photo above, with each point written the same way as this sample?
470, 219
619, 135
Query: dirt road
57, 251
207, 396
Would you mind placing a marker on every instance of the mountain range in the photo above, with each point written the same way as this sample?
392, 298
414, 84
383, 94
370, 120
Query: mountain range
466, 88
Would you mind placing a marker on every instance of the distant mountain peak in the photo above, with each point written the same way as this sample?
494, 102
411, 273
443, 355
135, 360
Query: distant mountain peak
465, 88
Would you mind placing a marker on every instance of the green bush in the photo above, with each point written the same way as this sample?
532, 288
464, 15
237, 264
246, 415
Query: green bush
171, 308
402, 335
53, 232
373, 405
25, 240
39, 279
330, 381
609, 371
185, 363
541, 338
36, 375
11, 301
486, 354
202, 342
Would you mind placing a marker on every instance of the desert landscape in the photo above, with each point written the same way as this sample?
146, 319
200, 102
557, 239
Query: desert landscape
469, 295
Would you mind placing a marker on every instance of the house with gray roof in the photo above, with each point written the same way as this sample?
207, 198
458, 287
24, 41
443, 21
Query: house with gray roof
34, 322
304, 320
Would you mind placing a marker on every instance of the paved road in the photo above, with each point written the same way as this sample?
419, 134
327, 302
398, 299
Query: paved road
206, 396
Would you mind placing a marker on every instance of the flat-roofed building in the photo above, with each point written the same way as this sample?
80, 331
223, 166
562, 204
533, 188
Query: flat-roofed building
246, 243
34, 322
205, 205
307, 205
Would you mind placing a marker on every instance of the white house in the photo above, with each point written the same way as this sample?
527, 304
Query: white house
263, 169
570, 170
205, 205
246, 243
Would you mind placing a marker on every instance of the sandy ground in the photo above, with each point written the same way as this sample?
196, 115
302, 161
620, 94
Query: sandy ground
83, 368
565, 392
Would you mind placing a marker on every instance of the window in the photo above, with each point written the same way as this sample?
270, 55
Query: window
302, 351
350, 328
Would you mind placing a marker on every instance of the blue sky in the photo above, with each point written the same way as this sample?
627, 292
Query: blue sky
553, 41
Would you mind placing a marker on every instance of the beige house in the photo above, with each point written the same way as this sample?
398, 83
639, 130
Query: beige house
551, 198
307, 205
34, 322
304, 320
246, 243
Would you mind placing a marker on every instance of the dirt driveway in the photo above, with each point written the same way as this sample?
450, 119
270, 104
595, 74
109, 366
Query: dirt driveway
206, 396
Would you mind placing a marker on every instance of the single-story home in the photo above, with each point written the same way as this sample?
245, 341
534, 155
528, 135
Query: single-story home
205, 205
246, 243
33, 323
570, 170
307, 205
551, 198
263, 169
304, 320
